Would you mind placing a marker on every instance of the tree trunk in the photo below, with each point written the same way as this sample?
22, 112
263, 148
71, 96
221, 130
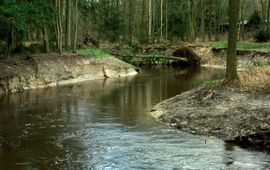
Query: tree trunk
263, 5
130, 21
241, 27
166, 22
68, 25
150, 21
231, 67
142, 26
202, 20
75, 26
134, 25
210, 23
191, 20
161, 20
46, 39
59, 26
268, 14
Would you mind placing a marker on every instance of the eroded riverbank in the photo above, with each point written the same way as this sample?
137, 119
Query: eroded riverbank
231, 115
50, 70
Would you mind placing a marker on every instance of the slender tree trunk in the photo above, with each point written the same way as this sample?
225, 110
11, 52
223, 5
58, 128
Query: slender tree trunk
68, 25
216, 23
46, 39
166, 22
210, 23
268, 14
142, 30
130, 21
161, 20
57, 31
241, 27
59, 25
231, 67
76, 18
190, 18
202, 20
150, 21
134, 25
155, 19
263, 5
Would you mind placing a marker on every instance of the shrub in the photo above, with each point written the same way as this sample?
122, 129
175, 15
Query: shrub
263, 35
254, 20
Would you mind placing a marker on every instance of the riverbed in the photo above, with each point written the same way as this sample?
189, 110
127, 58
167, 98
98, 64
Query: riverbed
105, 124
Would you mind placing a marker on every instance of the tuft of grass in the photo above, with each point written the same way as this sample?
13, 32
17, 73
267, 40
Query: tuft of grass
99, 53
244, 45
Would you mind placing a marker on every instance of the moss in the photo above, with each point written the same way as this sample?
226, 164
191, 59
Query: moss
99, 53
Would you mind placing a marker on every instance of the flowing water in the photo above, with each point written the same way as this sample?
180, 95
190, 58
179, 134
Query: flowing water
105, 124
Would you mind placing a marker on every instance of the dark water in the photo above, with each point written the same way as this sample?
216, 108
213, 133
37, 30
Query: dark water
104, 124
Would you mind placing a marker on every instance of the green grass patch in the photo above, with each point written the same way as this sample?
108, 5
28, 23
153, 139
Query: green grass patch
243, 45
210, 83
213, 83
99, 53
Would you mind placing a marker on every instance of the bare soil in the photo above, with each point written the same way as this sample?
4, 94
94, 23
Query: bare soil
235, 116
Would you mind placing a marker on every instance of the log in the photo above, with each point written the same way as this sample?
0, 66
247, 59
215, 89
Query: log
153, 57
162, 57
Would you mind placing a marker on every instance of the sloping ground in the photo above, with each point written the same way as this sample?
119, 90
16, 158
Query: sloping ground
246, 58
234, 116
52, 69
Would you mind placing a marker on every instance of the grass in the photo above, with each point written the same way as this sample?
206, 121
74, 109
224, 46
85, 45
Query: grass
257, 78
99, 53
213, 83
244, 45
210, 83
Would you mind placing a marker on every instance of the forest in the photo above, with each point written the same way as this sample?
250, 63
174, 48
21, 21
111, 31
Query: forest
61, 25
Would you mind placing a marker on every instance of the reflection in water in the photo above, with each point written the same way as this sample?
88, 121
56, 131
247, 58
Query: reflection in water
228, 154
104, 124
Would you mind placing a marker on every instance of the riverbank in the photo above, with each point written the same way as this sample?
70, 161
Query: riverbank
48, 70
238, 114
234, 116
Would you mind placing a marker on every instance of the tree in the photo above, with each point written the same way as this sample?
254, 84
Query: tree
18, 17
58, 25
231, 67
68, 25
76, 20
150, 17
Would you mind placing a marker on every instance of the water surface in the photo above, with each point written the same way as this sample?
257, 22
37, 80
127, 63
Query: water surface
104, 124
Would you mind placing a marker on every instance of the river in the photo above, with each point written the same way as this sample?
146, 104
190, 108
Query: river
105, 124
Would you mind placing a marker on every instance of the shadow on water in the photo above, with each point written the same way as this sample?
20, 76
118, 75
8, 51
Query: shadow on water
104, 124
